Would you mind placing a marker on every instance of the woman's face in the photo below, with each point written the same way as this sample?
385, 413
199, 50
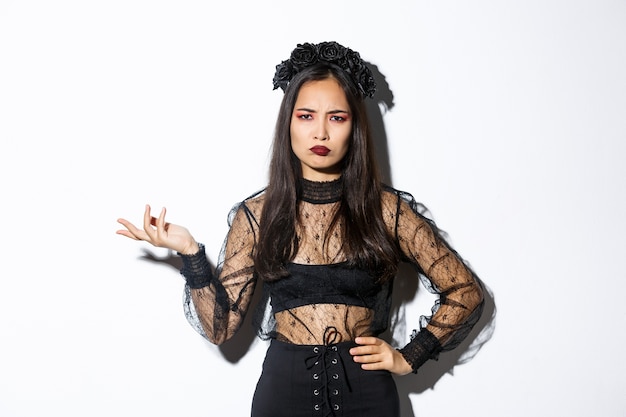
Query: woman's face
321, 127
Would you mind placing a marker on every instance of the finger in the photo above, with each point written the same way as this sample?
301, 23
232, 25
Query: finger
161, 225
368, 340
364, 350
147, 223
377, 366
367, 345
128, 225
127, 234
369, 358
131, 231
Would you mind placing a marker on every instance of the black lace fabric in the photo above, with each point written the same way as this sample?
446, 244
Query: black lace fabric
323, 301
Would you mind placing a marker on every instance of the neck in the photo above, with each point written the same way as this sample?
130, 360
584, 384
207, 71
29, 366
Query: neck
321, 192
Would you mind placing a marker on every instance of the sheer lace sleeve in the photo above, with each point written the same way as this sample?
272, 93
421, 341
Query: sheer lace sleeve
442, 272
216, 303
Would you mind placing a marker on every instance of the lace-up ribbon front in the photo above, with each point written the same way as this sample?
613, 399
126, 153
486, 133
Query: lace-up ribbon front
329, 375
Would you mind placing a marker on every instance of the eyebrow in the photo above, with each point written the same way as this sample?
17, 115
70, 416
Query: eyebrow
314, 111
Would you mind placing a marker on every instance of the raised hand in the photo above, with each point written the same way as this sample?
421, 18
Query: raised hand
158, 232
376, 354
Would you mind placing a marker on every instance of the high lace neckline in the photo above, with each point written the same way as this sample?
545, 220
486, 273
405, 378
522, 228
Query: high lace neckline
321, 192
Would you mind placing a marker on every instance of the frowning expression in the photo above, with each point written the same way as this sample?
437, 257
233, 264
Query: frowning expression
321, 129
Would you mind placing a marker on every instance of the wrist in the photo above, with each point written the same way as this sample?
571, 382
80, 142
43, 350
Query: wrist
403, 367
421, 348
190, 249
196, 268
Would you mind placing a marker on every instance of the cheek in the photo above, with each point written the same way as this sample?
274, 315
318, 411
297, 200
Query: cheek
293, 138
346, 140
343, 151
296, 144
296, 133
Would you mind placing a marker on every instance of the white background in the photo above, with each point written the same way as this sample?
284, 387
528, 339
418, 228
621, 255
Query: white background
508, 121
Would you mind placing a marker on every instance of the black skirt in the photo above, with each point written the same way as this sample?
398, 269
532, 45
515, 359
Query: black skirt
312, 381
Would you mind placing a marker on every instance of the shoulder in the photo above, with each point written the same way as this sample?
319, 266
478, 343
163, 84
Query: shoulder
399, 201
394, 198
255, 201
390, 192
249, 208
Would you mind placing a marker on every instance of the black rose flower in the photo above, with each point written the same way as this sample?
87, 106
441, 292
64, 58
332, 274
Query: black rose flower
284, 73
331, 51
354, 61
303, 56
366, 82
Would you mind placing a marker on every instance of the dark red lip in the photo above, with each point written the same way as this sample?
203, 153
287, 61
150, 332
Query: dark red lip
320, 150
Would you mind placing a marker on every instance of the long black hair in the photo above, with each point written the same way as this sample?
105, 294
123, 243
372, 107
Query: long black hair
367, 243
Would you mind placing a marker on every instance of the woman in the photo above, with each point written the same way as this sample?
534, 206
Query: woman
325, 238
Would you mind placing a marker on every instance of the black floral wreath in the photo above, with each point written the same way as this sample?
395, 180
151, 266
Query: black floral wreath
308, 54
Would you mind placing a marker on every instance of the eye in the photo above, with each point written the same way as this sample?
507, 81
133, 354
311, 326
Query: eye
336, 118
304, 116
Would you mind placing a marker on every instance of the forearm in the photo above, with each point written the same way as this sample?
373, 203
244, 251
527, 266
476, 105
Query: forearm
448, 327
220, 300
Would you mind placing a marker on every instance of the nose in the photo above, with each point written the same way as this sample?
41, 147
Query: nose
321, 132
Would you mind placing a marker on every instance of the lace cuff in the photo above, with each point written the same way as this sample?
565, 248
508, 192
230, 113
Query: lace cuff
196, 268
422, 347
